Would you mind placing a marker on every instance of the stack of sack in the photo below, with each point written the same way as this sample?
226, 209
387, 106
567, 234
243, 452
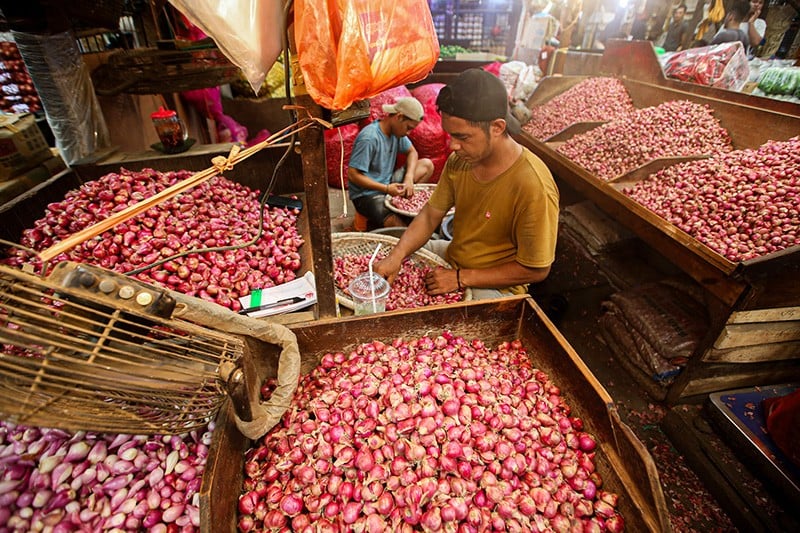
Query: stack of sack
655, 326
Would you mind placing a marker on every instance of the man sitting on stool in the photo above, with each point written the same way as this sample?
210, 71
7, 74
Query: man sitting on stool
371, 171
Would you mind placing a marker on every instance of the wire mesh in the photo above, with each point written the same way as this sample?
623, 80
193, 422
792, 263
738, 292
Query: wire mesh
70, 361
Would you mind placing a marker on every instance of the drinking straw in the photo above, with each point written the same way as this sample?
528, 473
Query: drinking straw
372, 280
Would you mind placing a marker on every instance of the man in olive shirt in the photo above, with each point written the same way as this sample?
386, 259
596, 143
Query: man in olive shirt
506, 201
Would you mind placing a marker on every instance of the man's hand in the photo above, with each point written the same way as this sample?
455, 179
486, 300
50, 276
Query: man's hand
408, 189
395, 189
388, 268
441, 281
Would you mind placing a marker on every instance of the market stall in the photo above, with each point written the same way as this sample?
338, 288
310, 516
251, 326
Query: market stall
761, 286
209, 480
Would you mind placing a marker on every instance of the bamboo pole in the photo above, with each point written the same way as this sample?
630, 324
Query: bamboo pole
220, 164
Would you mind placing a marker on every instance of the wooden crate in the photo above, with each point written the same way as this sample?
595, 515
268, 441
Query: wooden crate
739, 350
622, 460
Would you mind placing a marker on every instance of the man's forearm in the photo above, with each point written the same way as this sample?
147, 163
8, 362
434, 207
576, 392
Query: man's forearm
505, 275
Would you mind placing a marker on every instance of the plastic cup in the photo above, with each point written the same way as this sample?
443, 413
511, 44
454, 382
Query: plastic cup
361, 291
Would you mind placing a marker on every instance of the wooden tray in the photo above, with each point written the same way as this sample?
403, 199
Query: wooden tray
622, 460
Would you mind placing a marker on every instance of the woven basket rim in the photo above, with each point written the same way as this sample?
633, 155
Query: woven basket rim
387, 201
343, 242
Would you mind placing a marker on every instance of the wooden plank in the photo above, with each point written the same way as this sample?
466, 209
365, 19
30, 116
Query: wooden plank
572, 130
777, 314
737, 376
735, 335
645, 171
775, 351
550, 87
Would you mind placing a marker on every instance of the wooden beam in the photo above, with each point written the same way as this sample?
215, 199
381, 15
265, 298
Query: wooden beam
774, 351
757, 333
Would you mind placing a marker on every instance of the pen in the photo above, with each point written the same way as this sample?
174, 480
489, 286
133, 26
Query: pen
285, 301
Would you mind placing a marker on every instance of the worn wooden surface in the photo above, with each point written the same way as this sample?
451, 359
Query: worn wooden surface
776, 351
623, 462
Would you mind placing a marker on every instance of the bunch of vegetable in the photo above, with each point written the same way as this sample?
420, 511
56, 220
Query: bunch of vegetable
53, 480
742, 204
408, 290
217, 213
674, 128
781, 80
432, 434
592, 100
450, 50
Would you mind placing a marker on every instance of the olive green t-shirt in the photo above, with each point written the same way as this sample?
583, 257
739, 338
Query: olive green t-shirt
513, 217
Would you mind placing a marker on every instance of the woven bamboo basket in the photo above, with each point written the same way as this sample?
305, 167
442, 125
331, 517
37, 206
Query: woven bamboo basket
355, 243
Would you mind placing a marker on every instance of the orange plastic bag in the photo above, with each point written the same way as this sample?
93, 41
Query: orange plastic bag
349, 50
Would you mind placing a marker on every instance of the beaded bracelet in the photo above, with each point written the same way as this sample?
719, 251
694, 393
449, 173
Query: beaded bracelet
458, 279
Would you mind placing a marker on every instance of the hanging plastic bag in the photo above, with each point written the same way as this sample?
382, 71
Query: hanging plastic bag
349, 50
248, 32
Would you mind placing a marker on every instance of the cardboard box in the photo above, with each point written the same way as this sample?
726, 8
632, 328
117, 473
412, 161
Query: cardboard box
22, 145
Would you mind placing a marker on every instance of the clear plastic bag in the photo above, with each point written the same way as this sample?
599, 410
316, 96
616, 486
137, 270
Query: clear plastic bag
349, 50
62, 81
721, 65
247, 31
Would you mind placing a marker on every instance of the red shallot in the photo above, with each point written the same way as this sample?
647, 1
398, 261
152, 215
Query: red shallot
742, 204
453, 475
217, 213
674, 128
408, 290
591, 100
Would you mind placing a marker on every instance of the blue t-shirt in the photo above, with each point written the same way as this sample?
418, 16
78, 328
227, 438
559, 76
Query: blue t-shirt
375, 155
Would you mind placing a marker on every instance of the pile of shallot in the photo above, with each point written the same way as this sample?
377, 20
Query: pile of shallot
408, 290
433, 434
53, 480
674, 128
592, 100
414, 204
216, 213
742, 204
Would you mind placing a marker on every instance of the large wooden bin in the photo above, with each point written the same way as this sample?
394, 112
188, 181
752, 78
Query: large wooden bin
622, 460
754, 306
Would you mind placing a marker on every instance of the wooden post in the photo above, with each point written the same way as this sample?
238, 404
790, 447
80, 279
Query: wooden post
315, 185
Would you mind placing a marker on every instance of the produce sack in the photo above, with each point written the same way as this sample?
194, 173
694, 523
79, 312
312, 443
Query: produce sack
783, 423
627, 343
671, 320
349, 50
248, 32
428, 137
376, 102
724, 66
338, 145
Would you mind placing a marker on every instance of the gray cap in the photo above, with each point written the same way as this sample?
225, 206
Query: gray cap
408, 106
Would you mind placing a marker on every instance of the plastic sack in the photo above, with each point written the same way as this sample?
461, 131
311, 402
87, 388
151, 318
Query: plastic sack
349, 50
429, 139
62, 80
376, 103
724, 66
248, 32
671, 320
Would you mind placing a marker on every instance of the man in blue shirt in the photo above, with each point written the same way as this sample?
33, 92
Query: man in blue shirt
371, 173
